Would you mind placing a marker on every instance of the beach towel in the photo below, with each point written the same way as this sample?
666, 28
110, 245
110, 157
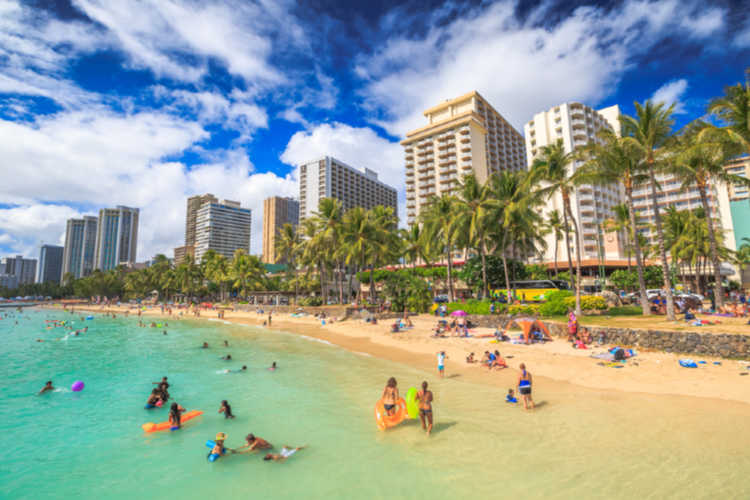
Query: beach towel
688, 363
604, 355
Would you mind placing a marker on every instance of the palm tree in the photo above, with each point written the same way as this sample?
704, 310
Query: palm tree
555, 223
414, 245
215, 268
385, 245
437, 217
701, 155
357, 240
187, 275
246, 272
648, 132
615, 160
734, 110
288, 247
473, 206
330, 217
553, 166
314, 252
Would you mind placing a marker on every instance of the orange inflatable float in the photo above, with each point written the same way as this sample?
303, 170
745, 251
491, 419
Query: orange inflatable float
383, 420
164, 426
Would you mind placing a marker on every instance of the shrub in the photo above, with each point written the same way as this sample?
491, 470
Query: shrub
588, 302
311, 301
625, 311
523, 309
557, 295
553, 308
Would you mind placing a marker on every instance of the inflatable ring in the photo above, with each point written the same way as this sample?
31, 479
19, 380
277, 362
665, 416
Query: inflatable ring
385, 421
412, 403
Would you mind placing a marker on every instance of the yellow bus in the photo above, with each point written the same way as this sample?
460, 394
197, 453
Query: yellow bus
531, 290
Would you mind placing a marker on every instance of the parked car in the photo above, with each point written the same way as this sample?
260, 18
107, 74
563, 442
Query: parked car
441, 298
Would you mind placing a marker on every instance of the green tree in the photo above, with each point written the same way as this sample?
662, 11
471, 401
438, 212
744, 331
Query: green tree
555, 223
437, 218
733, 109
289, 247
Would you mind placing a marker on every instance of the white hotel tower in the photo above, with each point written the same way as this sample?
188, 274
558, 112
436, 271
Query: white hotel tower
577, 125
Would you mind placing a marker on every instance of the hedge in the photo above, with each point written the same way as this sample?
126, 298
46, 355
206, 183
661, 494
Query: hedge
588, 303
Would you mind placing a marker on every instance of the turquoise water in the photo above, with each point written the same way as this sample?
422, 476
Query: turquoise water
579, 443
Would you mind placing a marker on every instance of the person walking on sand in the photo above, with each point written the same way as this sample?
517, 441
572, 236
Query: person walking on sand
425, 407
524, 387
390, 396
441, 363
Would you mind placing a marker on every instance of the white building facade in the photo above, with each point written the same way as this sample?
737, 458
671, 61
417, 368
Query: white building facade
222, 226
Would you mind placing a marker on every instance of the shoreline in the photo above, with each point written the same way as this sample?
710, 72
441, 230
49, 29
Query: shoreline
653, 373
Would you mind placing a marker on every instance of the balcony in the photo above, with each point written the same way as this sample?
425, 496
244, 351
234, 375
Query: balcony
410, 172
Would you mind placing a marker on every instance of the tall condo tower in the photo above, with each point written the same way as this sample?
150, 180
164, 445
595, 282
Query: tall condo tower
116, 237
465, 135
223, 227
328, 177
80, 246
50, 264
277, 211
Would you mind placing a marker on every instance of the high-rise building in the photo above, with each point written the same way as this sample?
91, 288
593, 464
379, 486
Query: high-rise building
328, 177
116, 237
50, 264
24, 270
277, 211
576, 125
80, 247
191, 217
465, 135
223, 227
739, 202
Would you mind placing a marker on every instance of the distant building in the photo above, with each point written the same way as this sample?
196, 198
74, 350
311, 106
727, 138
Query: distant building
277, 211
24, 270
465, 135
80, 247
194, 203
739, 203
50, 264
116, 237
8, 281
223, 227
330, 178
181, 252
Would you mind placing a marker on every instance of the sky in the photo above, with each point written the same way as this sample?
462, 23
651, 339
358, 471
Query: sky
146, 102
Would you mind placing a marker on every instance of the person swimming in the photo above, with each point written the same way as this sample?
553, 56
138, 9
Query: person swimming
226, 344
390, 396
425, 398
228, 357
47, 387
162, 387
219, 448
153, 399
273, 366
205, 345
226, 409
253, 443
175, 416
243, 369
286, 452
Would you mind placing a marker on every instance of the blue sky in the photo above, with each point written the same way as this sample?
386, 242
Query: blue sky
144, 103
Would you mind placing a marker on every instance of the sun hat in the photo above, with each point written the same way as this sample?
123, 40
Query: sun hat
221, 436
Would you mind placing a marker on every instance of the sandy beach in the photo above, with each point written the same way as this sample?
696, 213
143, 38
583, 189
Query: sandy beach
655, 373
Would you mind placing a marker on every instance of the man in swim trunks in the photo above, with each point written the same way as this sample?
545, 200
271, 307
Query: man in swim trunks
253, 444
425, 407
390, 396
524, 387
47, 387
163, 386
286, 452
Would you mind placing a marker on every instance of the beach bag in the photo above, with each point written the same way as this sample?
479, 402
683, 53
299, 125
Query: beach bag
619, 354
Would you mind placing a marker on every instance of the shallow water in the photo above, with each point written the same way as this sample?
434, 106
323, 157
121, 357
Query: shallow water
579, 443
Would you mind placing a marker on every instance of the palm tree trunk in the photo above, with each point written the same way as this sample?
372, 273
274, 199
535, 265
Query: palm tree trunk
638, 260
296, 283
566, 200
372, 284
341, 283
557, 244
662, 248
567, 246
485, 289
451, 296
718, 288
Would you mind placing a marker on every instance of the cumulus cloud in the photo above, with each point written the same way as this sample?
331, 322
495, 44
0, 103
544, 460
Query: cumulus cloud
360, 147
24, 228
671, 93
526, 65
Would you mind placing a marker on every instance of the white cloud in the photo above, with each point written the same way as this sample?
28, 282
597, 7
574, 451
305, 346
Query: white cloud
525, 67
742, 38
98, 159
358, 147
671, 93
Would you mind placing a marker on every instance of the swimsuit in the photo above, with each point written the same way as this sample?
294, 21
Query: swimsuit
424, 412
149, 406
524, 387
388, 407
174, 428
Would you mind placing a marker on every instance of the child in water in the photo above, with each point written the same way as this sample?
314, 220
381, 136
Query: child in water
175, 416
226, 409
218, 448
153, 399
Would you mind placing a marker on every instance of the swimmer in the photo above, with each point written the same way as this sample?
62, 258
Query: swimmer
390, 396
226, 344
165, 332
243, 369
205, 345
425, 407
153, 399
162, 387
218, 448
228, 357
47, 387
226, 409
273, 366
286, 452
175, 416
252, 444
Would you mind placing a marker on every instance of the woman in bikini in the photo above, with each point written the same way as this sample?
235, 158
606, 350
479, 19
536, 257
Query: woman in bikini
524, 387
390, 396
425, 408
175, 416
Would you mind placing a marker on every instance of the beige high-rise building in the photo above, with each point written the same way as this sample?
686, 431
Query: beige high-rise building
194, 203
464, 135
740, 167
277, 211
223, 227
576, 125
328, 177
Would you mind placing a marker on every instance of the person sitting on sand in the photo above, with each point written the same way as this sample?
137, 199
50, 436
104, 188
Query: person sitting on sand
286, 452
498, 362
470, 358
510, 398
175, 416
572, 325
585, 336
226, 409
219, 448
390, 396
153, 399
252, 444
485, 358
425, 398
491, 358
407, 321
47, 387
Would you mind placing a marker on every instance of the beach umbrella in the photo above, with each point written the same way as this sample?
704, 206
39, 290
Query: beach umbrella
458, 313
